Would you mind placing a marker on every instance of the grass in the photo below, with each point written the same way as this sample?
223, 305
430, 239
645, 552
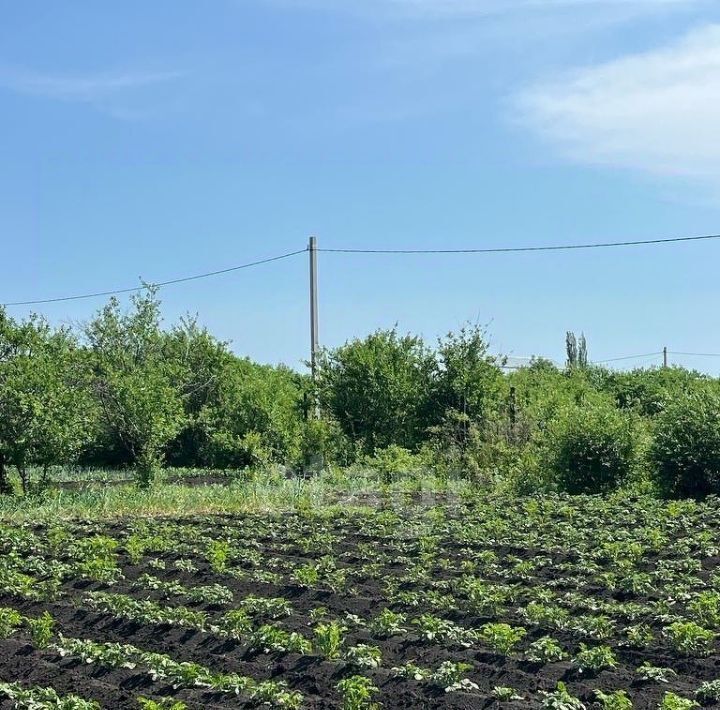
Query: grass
95, 501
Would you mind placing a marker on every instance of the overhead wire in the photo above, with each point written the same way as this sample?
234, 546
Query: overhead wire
502, 250
159, 284
492, 250
330, 250
673, 352
627, 357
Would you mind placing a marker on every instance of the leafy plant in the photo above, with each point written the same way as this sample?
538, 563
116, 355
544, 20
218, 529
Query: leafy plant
502, 637
594, 660
560, 699
671, 701
709, 692
616, 700
161, 704
648, 672
307, 575
276, 693
10, 620
357, 692
411, 671
364, 656
388, 623
450, 675
705, 608
37, 697
273, 607
329, 638
41, 629
545, 650
269, 638
505, 694
690, 638
218, 553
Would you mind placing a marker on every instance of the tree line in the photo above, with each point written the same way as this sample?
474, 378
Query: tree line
124, 391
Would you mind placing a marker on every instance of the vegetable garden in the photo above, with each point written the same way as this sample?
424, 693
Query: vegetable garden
398, 602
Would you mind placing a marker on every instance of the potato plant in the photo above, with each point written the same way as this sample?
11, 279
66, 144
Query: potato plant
463, 602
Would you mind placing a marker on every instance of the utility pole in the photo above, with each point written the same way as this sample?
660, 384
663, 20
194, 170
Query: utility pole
314, 336
665, 357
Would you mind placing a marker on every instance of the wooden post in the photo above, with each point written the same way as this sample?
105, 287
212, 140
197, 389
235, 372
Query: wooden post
314, 321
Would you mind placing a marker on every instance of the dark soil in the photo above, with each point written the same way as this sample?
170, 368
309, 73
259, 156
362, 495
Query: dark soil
315, 677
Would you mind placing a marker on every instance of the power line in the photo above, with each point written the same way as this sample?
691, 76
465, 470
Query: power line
499, 250
183, 279
514, 359
696, 354
494, 250
626, 357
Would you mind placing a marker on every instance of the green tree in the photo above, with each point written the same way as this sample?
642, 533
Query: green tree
45, 406
135, 382
468, 384
576, 350
203, 368
255, 417
379, 389
649, 391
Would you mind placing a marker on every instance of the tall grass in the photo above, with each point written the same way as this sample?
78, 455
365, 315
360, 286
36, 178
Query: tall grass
95, 501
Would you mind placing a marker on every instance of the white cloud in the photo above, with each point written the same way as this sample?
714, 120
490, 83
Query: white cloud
78, 88
656, 112
495, 7
482, 8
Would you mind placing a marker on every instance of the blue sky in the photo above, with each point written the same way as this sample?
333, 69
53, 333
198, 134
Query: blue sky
160, 139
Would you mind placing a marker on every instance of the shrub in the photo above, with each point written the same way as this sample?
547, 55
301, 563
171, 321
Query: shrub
378, 389
649, 391
685, 453
468, 381
591, 448
393, 463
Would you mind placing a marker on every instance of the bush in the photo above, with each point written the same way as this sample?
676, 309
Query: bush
685, 454
461, 448
468, 382
250, 417
394, 462
648, 391
589, 449
378, 389
323, 443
